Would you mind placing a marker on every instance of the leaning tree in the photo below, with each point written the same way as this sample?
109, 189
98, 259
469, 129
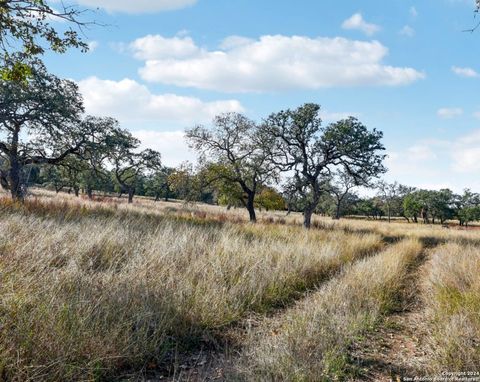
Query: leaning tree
312, 152
40, 122
236, 147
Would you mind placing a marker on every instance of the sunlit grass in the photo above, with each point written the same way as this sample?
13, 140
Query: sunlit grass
97, 289
453, 301
89, 292
310, 341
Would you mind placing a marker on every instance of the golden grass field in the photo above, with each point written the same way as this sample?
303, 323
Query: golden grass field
103, 290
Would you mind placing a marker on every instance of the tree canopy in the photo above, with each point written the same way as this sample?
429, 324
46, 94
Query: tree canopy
313, 152
40, 121
238, 148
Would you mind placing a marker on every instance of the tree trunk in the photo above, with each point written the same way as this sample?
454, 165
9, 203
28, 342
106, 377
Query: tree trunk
89, 192
14, 180
77, 191
337, 212
311, 206
131, 193
251, 207
15, 169
307, 217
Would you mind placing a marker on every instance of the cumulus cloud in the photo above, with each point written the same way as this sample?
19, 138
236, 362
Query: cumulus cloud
158, 47
171, 144
357, 22
129, 101
138, 6
465, 72
231, 42
271, 63
449, 112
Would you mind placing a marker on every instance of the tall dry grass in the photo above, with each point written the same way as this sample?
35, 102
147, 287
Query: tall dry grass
453, 307
428, 233
310, 342
90, 293
94, 290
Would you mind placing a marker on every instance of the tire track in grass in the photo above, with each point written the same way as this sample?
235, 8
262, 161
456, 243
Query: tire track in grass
311, 341
217, 356
396, 348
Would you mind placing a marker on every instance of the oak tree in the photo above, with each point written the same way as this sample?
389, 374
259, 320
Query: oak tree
40, 122
237, 146
313, 152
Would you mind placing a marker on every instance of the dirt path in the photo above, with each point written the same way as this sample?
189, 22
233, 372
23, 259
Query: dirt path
396, 350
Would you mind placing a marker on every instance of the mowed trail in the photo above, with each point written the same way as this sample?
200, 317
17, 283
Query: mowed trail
392, 350
310, 341
217, 360
396, 349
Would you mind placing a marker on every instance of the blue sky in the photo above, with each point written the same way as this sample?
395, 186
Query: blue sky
403, 67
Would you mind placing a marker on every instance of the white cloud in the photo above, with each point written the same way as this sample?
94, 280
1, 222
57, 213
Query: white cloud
438, 163
413, 166
158, 47
467, 159
137, 6
129, 101
407, 31
464, 72
448, 113
171, 144
336, 116
357, 22
235, 42
421, 152
271, 63
465, 152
